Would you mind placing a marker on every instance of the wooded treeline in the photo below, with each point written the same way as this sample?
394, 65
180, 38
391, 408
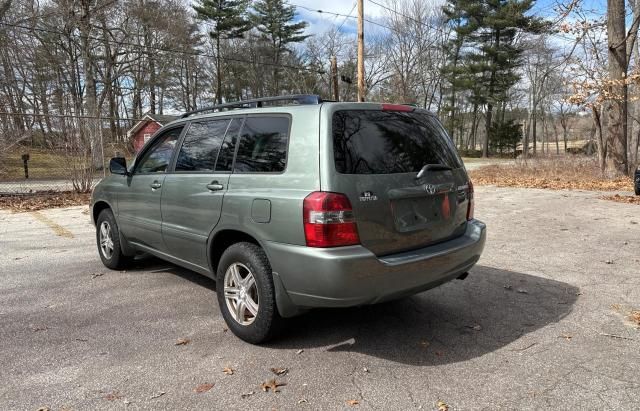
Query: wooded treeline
76, 74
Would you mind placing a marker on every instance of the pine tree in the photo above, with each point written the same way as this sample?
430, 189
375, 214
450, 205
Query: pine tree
273, 19
229, 20
490, 52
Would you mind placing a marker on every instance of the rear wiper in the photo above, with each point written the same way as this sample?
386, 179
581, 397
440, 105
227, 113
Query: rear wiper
432, 167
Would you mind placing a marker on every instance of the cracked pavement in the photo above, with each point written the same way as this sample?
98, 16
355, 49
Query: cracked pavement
539, 323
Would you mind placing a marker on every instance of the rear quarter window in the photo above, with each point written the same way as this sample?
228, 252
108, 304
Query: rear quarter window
388, 142
262, 146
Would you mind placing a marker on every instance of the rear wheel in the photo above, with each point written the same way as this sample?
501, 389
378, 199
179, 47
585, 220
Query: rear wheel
108, 240
246, 294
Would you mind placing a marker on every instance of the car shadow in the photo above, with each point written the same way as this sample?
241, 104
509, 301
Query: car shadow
455, 322
152, 264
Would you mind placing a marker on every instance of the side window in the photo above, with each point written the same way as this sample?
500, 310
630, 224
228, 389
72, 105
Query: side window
201, 145
225, 158
158, 157
263, 145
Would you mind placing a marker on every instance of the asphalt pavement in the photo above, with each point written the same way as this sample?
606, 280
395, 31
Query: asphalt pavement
540, 323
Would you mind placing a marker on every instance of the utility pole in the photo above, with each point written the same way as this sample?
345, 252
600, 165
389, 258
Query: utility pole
361, 85
334, 78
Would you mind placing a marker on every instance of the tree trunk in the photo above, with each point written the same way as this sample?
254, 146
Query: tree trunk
90, 90
602, 143
218, 72
617, 109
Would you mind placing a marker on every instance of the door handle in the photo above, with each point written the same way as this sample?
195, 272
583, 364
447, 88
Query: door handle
155, 185
215, 186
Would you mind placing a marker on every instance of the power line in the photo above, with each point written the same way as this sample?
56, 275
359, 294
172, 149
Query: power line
168, 50
80, 116
355, 3
407, 17
346, 16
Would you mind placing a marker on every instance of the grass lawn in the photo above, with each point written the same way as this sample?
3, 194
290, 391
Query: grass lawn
43, 164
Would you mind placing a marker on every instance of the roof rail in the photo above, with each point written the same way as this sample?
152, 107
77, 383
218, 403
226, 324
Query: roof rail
302, 99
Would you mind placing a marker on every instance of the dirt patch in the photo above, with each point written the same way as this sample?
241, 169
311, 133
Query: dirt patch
555, 174
41, 201
623, 199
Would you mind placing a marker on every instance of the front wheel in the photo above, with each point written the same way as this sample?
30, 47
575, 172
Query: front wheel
108, 239
246, 294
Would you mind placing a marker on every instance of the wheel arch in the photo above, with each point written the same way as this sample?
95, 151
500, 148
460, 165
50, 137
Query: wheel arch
97, 208
221, 240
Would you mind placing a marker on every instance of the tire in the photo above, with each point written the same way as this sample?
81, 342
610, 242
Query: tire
637, 188
250, 310
106, 227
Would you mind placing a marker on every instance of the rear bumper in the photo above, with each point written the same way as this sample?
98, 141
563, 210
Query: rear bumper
348, 276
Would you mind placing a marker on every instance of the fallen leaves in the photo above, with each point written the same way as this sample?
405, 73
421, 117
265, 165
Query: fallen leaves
43, 200
157, 395
353, 403
272, 385
228, 370
279, 371
112, 396
567, 337
634, 317
442, 406
247, 394
299, 352
96, 275
571, 173
203, 388
182, 341
622, 199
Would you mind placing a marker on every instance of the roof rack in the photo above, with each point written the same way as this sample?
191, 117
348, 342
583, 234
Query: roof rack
302, 99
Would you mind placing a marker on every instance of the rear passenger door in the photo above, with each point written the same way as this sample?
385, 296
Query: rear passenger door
193, 193
257, 184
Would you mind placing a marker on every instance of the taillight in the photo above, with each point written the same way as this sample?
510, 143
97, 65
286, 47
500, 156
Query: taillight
470, 206
328, 220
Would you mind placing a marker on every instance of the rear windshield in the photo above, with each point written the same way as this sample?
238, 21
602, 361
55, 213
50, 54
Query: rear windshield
387, 142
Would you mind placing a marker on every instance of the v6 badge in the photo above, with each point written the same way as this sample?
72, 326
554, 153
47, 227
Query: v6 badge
368, 196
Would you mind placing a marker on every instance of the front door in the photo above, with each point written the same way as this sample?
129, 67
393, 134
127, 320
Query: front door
139, 202
193, 193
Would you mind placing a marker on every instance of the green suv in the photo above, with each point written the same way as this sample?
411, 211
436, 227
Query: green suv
292, 203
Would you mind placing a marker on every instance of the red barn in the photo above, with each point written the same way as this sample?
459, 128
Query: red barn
144, 129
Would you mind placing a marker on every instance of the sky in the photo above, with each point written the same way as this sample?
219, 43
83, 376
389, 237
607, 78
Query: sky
321, 22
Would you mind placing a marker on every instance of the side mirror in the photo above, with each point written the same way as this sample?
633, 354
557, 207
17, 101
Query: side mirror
118, 165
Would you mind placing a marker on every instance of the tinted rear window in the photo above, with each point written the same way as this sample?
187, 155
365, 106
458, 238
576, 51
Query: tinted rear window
387, 142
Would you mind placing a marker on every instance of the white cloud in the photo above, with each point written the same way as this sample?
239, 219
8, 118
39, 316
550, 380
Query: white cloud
321, 22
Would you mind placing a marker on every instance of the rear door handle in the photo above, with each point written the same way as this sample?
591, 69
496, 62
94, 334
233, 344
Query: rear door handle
155, 185
215, 186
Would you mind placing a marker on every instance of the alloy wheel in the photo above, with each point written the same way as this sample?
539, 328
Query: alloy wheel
106, 240
241, 293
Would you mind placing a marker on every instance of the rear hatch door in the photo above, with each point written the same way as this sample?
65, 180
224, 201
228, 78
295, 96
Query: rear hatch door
403, 176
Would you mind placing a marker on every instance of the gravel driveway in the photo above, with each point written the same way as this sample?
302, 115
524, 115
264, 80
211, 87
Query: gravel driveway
541, 322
